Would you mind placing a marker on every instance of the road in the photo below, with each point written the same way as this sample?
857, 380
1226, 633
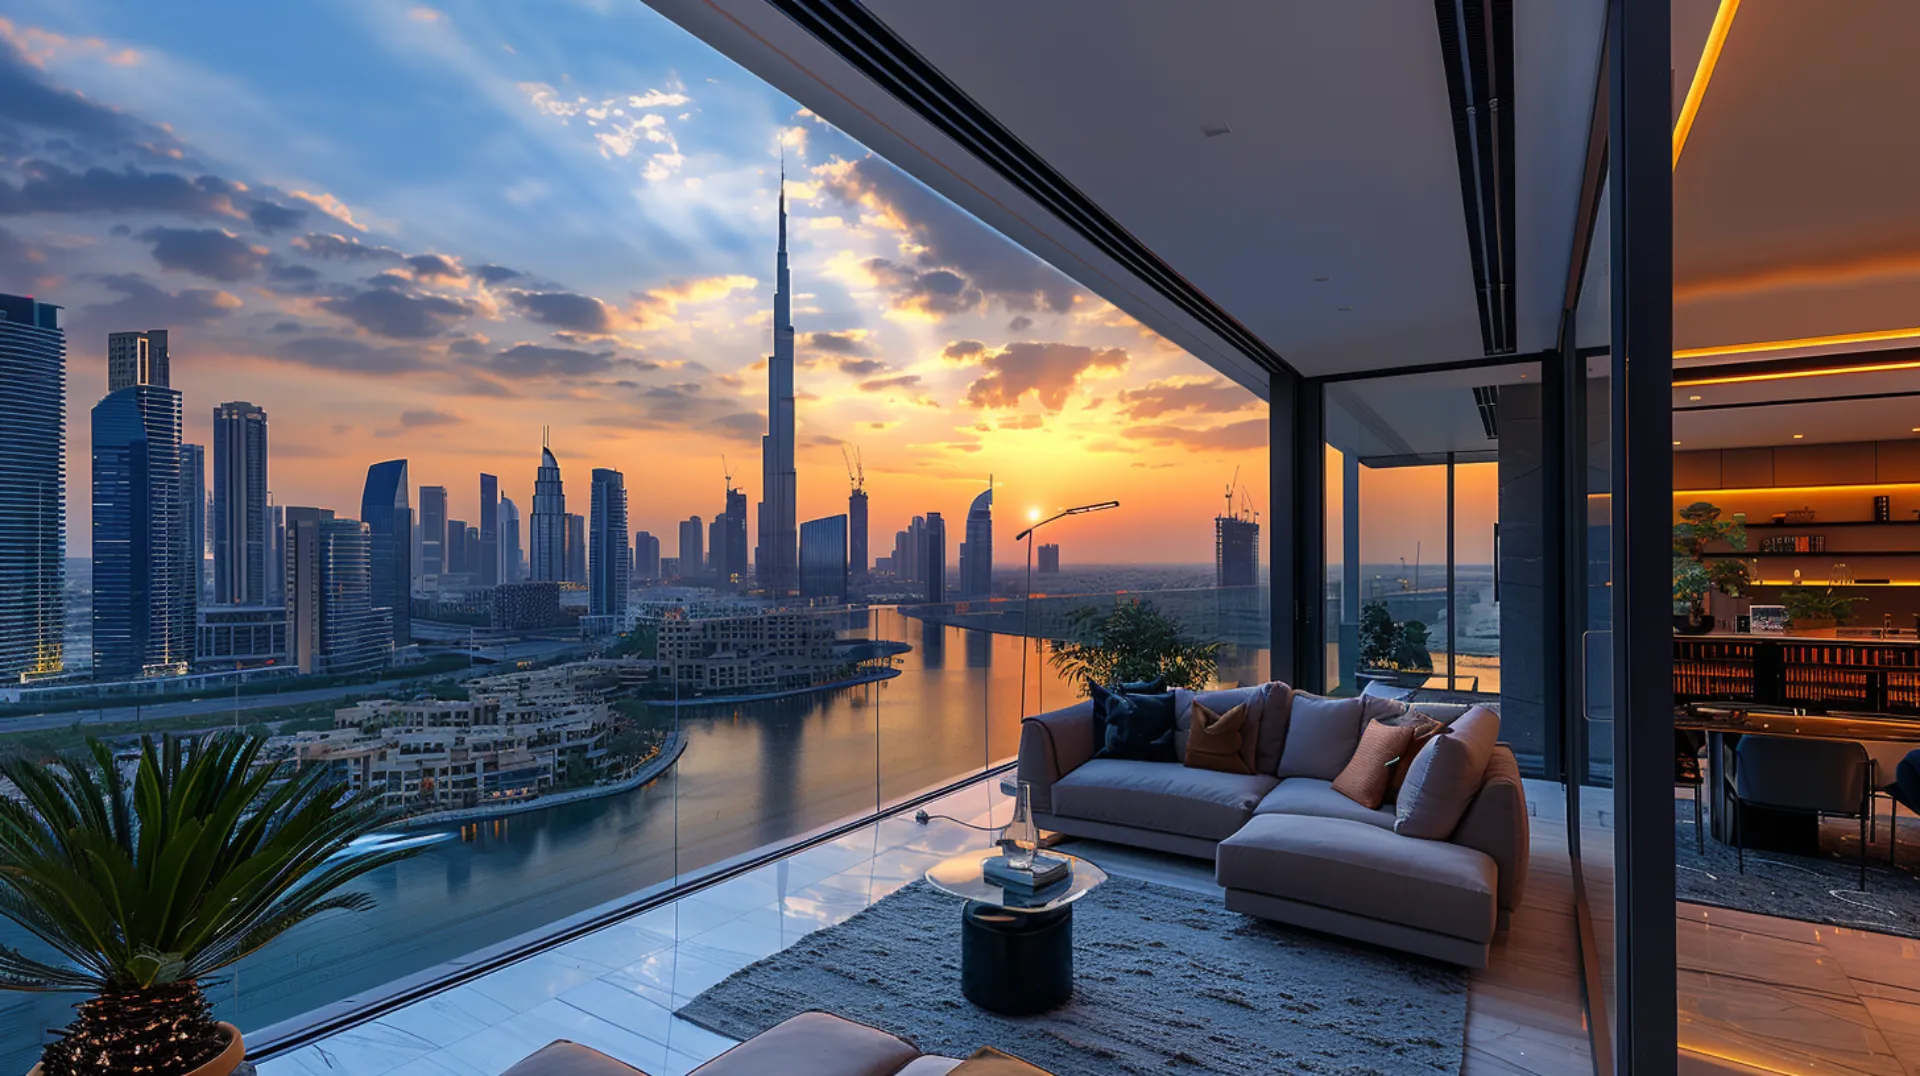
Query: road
197, 707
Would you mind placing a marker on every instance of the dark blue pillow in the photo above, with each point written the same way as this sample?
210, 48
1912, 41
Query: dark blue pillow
1100, 695
1140, 728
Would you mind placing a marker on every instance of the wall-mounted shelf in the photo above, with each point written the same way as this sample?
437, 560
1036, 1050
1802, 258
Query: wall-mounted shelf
1831, 554
1835, 523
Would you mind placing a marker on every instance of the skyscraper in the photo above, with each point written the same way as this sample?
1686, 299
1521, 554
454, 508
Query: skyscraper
332, 623
576, 548
823, 558
773, 558
489, 566
457, 552
275, 531
137, 358
607, 560
933, 549
547, 533
193, 503
144, 587
240, 538
433, 532
33, 487
976, 548
692, 556
646, 556
1236, 551
384, 508
857, 559
510, 566
1049, 559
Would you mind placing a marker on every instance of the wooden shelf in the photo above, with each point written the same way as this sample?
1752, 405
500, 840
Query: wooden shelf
1830, 554
1835, 523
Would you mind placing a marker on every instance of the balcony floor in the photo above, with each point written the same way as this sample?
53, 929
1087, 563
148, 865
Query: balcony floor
616, 989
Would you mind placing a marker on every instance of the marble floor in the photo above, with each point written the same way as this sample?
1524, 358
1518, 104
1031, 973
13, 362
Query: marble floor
617, 989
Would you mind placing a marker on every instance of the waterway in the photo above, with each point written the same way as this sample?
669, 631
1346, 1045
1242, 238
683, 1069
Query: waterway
752, 775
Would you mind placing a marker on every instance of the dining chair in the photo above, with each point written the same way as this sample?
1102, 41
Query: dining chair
1904, 791
1688, 771
1818, 777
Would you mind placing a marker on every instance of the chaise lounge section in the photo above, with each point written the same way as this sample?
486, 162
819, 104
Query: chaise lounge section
1286, 845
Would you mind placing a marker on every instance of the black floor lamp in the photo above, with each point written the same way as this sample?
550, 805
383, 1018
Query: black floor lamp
1026, 620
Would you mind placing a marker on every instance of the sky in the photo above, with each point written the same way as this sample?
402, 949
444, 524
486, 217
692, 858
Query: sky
429, 232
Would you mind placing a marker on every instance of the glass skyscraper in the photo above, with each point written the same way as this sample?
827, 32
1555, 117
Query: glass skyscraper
823, 558
332, 623
144, 580
193, 498
33, 487
547, 532
976, 548
384, 508
241, 542
510, 556
433, 532
488, 568
608, 562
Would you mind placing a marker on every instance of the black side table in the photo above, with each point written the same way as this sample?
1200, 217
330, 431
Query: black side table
1016, 948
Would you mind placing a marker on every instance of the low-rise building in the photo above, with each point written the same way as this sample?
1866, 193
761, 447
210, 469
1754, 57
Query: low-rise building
764, 652
240, 636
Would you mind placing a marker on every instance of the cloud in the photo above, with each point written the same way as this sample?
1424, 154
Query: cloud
964, 350
698, 290
567, 310
861, 367
618, 131
271, 217
339, 247
1174, 396
214, 253
539, 360
386, 312
1049, 371
1020, 323
142, 302
345, 355
34, 103
931, 294
1233, 437
414, 420
50, 188
849, 342
294, 277
899, 381
331, 206
494, 274
436, 267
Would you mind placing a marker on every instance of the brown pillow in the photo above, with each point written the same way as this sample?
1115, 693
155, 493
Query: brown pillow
1424, 728
1217, 741
1364, 781
987, 1061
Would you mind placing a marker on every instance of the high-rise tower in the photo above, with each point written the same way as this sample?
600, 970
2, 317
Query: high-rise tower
547, 530
385, 509
137, 358
33, 487
775, 556
976, 548
608, 563
241, 543
489, 567
145, 587
433, 533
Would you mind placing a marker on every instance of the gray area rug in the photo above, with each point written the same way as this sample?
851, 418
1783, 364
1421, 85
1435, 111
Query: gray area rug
1166, 981
1818, 889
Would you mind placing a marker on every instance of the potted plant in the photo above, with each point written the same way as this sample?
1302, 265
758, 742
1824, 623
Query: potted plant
1132, 642
148, 878
1694, 575
1393, 651
1818, 609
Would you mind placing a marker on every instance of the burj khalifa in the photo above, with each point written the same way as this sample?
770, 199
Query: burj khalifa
775, 557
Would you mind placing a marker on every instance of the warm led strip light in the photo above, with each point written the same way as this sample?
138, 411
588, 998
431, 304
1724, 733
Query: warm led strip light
1709, 56
1876, 336
1864, 368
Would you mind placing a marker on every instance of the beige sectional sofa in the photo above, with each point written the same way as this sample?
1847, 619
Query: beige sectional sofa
1287, 846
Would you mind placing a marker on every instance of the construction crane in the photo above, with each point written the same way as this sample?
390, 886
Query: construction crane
726, 471
1232, 484
856, 474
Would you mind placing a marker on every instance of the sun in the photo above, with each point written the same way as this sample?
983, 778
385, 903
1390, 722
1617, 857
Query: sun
1033, 515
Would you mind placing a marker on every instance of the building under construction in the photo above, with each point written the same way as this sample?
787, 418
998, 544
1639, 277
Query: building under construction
1236, 541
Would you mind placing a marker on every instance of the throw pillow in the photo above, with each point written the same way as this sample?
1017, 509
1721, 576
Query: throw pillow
987, 1061
1321, 736
1424, 728
1218, 742
1139, 728
1364, 780
1100, 694
1446, 775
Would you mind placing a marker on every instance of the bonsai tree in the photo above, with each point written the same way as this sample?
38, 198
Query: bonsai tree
1133, 642
1387, 644
1693, 575
1806, 604
147, 885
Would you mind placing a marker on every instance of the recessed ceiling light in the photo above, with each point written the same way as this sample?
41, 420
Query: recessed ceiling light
1695, 398
1344, 309
1215, 130
1676, 442
1916, 429
1321, 279
1798, 436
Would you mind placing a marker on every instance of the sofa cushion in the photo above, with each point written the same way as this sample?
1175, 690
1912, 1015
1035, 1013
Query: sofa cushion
1364, 780
1445, 777
1139, 727
1363, 870
1158, 796
929, 1065
1316, 798
1219, 702
563, 1058
1321, 736
1424, 728
1221, 742
814, 1044
987, 1061
1098, 694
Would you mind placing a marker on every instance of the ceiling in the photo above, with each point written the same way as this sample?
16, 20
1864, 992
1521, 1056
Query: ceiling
1419, 418
1329, 221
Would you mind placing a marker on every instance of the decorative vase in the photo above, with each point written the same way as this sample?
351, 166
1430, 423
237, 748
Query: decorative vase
1023, 837
222, 1063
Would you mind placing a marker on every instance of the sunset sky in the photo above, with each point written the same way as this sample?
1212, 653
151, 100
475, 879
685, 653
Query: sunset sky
428, 232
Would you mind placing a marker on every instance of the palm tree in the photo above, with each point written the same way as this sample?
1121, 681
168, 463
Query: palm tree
147, 886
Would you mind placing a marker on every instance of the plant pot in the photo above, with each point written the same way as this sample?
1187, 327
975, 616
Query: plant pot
1399, 677
222, 1064
1691, 623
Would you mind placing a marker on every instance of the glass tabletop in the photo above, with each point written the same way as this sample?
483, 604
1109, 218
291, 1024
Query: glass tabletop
963, 877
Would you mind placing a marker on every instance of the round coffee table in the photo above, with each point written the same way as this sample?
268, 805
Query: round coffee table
1016, 947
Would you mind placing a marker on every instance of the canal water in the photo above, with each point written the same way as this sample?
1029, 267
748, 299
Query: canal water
753, 775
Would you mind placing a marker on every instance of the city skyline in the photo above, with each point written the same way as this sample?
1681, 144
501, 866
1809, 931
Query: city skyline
376, 323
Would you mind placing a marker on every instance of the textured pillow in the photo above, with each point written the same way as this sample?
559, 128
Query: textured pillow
987, 1061
1139, 728
1424, 728
1321, 736
1100, 695
1219, 742
1445, 777
1364, 780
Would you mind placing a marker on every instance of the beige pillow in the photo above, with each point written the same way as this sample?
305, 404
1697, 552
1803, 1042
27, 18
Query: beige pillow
1219, 742
1364, 781
987, 1061
1445, 777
